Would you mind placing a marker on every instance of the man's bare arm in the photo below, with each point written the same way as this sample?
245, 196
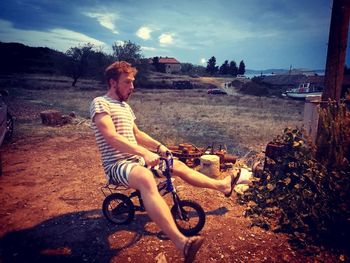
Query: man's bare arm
106, 126
147, 141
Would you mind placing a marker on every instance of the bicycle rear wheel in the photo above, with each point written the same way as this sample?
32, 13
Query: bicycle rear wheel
189, 217
118, 209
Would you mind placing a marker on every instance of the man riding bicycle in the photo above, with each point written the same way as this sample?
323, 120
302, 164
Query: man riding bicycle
125, 150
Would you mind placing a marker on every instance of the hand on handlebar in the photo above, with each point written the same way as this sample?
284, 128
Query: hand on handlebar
163, 151
151, 159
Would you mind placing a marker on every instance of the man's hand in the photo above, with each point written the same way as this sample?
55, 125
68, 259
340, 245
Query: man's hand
151, 159
163, 150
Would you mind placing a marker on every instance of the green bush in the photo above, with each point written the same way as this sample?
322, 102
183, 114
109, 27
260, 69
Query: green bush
298, 195
252, 88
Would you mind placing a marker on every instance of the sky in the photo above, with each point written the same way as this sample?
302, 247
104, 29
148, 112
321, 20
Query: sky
264, 34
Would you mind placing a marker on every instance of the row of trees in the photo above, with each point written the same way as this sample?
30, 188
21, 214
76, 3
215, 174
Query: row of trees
226, 68
89, 61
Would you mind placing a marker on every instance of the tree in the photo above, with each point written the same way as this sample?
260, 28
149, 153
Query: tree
97, 63
224, 69
211, 66
233, 70
186, 68
127, 51
78, 61
155, 62
241, 68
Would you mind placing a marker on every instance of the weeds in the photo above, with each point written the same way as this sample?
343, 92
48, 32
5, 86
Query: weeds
307, 198
334, 136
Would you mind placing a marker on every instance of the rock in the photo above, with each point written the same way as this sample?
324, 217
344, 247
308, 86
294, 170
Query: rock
54, 117
241, 188
51, 117
245, 177
160, 258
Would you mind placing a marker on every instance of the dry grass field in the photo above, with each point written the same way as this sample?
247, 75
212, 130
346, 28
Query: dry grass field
241, 123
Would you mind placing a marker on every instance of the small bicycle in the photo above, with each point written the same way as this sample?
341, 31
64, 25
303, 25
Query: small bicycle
119, 208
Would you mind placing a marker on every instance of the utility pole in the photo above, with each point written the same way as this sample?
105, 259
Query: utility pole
338, 37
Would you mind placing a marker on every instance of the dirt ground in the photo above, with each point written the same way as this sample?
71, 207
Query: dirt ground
51, 211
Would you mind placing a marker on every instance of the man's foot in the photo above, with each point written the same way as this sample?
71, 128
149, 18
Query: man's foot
191, 248
234, 180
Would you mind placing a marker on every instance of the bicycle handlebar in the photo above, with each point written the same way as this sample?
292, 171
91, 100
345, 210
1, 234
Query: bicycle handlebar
168, 161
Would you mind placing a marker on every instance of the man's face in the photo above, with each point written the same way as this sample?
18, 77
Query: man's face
124, 86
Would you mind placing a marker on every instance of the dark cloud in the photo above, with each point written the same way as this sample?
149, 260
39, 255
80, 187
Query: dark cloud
200, 28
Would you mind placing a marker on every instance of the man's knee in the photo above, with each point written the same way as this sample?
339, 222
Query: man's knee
142, 179
179, 166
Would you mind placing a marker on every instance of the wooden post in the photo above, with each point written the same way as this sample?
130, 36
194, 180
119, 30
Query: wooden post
311, 116
338, 37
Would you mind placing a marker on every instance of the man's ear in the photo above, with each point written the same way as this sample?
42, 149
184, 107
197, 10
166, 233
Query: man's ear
112, 83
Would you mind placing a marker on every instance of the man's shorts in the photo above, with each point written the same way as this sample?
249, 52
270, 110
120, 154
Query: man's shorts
118, 173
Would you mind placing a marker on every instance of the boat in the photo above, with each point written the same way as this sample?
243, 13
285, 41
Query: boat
303, 90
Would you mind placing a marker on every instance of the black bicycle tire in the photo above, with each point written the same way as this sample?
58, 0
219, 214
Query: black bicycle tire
199, 213
130, 208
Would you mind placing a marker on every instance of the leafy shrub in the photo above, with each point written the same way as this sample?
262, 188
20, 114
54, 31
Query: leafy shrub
258, 80
334, 140
236, 83
296, 194
252, 88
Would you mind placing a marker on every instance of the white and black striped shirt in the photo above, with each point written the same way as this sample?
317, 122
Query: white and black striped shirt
123, 118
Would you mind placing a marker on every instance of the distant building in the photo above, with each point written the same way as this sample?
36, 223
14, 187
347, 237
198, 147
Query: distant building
167, 65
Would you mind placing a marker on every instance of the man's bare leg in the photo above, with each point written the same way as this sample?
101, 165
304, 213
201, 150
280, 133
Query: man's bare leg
200, 180
142, 179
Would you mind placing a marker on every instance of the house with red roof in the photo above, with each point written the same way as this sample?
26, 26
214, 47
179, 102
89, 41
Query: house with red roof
167, 65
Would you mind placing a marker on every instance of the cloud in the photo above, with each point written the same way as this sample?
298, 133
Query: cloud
144, 33
58, 38
166, 39
106, 20
119, 43
148, 48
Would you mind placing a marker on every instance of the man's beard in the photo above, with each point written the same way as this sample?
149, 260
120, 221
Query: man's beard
121, 97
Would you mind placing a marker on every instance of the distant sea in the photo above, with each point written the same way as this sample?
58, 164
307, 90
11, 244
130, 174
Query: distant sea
251, 74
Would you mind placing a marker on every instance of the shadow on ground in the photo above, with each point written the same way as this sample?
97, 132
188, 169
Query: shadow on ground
84, 236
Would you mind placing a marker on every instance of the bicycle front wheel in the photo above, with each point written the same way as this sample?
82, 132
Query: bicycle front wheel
189, 217
118, 209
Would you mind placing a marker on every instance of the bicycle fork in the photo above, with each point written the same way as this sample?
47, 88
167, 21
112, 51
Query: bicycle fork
180, 211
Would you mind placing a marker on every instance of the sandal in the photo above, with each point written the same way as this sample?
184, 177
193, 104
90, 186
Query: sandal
191, 248
234, 180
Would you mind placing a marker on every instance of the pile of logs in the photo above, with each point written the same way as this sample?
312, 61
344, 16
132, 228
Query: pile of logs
55, 118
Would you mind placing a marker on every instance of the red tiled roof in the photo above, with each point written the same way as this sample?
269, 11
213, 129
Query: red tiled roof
165, 60
168, 61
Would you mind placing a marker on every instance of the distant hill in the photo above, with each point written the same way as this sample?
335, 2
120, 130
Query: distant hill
281, 71
19, 58
265, 71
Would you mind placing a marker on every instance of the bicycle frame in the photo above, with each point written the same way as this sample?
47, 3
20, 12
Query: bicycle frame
166, 185
119, 208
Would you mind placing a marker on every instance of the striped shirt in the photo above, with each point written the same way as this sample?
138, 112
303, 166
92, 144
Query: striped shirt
123, 118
